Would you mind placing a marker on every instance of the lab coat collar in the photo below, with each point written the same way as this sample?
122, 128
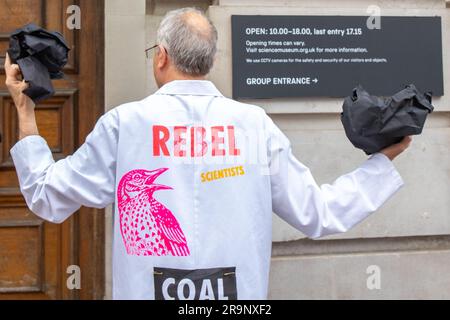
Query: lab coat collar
190, 87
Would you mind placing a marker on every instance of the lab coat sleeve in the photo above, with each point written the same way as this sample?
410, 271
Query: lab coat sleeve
330, 208
55, 190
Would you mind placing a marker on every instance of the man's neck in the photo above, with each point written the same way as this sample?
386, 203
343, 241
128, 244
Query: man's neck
181, 76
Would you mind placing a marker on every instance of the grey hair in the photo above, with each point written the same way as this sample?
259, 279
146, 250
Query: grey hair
191, 48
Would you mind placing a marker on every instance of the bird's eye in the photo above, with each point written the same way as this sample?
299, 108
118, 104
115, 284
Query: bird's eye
135, 176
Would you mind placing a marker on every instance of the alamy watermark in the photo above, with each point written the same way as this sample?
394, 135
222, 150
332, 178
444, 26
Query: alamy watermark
373, 281
73, 21
374, 20
74, 279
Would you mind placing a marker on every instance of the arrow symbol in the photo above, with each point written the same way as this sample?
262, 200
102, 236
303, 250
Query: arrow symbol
315, 80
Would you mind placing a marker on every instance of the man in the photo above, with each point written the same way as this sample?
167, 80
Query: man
194, 177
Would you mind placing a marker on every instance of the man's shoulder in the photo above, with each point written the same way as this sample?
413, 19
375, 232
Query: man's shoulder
128, 110
239, 106
250, 114
127, 106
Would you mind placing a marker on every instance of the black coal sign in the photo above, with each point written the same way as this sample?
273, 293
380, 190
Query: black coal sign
199, 284
304, 56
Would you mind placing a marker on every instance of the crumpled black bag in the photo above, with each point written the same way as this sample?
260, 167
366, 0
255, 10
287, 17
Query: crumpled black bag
41, 56
372, 123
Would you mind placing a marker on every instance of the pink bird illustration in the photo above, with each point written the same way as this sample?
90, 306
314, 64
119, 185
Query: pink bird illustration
148, 228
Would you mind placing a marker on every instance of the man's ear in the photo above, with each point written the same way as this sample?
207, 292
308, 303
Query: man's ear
162, 57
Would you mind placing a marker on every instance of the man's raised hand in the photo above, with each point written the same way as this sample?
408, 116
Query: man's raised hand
16, 85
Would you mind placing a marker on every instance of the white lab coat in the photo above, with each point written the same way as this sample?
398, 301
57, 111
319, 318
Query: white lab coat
216, 218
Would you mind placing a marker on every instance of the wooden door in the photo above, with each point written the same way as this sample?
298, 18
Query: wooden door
35, 255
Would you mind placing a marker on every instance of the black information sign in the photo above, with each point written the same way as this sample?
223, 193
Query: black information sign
304, 56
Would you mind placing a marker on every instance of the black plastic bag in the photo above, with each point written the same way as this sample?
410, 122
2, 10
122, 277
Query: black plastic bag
372, 123
41, 56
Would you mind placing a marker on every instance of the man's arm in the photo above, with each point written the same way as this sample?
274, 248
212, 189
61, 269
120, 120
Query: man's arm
330, 208
54, 190
24, 105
